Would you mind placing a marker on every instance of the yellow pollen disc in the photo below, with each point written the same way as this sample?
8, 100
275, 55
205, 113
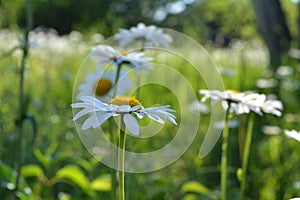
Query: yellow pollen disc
124, 53
125, 100
232, 91
102, 86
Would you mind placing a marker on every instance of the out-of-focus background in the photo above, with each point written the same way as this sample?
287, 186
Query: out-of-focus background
255, 44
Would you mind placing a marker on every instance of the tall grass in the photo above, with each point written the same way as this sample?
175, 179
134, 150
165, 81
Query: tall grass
54, 61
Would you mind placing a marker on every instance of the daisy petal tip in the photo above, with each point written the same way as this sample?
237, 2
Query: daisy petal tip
136, 133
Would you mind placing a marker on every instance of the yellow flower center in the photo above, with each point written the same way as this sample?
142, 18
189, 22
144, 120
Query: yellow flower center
102, 86
125, 100
124, 53
232, 91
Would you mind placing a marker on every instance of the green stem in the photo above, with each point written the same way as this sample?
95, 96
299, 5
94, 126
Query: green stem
22, 111
113, 139
117, 77
138, 80
112, 170
224, 156
121, 160
246, 154
138, 83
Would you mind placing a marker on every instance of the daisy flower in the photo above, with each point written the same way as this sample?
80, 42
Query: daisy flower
148, 35
107, 54
244, 102
125, 106
100, 84
238, 101
293, 134
138, 61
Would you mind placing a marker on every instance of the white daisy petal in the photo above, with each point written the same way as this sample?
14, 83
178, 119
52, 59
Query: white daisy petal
79, 105
82, 112
135, 108
102, 118
89, 122
156, 118
293, 134
131, 124
123, 108
139, 115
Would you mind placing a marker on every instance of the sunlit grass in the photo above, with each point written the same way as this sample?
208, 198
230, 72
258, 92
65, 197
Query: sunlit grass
49, 77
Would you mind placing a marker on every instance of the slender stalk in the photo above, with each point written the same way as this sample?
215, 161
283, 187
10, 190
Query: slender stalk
113, 139
22, 111
138, 80
113, 195
224, 156
122, 160
246, 154
138, 83
117, 76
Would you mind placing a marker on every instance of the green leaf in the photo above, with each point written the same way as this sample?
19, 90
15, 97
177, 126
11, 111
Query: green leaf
44, 160
196, 187
102, 183
6, 172
32, 171
190, 197
75, 175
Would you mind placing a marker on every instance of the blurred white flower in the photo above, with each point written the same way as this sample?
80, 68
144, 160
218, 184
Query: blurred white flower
284, 71
101, 84
120, 105
293, 134
238, 101
45, 43
244, 102
266, 83
294, 53
297, 185
109, 55
148, 35
137, 61
97, 38
271, 130
292, 118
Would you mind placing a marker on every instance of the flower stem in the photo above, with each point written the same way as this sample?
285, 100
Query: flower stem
113, 139
138, 80
117, 77
121, 160
22, 111
224, 156
113, 177
246, 154
138, 83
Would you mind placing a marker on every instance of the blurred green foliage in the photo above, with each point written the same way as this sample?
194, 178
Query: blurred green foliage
217, 21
